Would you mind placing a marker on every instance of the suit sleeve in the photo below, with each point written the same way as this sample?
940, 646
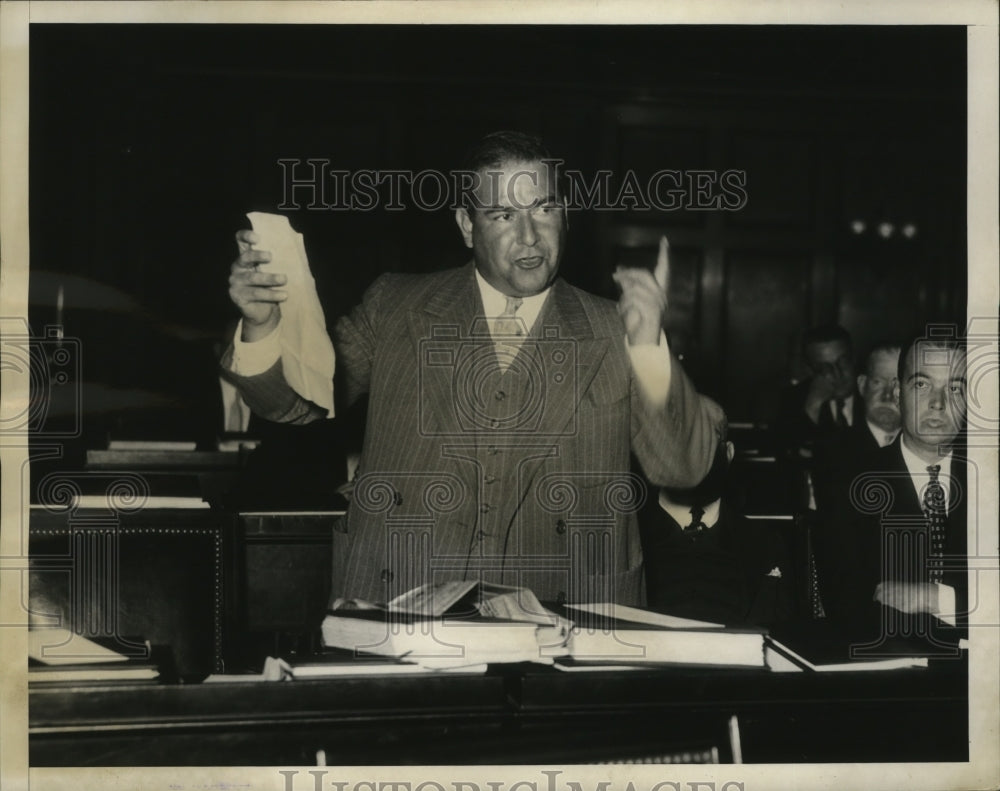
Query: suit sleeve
675, 443
356, 339
269, 395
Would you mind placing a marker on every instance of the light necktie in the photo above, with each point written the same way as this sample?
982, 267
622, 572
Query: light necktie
508, 331
506, 323
934, 513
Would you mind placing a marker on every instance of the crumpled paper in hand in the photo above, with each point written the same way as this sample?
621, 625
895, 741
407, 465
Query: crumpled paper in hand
307, 356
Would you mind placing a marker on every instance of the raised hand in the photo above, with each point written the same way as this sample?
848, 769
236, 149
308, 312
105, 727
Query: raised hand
643, 303
257, 294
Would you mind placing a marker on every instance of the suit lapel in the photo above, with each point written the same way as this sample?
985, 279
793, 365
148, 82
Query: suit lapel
905, 500
444, 332
563, 325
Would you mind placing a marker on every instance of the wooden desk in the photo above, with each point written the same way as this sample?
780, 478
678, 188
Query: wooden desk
517, 714
210, 474
156, 573
280, 566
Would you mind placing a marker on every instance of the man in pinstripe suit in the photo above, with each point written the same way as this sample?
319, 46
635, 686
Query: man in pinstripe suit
503, 403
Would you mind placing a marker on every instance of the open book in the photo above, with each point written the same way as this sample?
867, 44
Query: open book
611, 634
466, 622
58, 655
812, 648
450, 624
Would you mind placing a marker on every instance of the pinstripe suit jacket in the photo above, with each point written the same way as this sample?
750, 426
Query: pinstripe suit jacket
520, 477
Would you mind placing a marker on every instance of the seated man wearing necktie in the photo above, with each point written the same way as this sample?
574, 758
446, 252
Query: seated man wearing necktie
706, 561
503, 403
896, 540
826, 400
837, 452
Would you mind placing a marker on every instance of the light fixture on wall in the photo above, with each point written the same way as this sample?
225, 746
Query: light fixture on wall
883, 229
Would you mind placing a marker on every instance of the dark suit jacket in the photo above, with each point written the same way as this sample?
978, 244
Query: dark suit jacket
518, 477
722, 574
794, 429
873, 534
835, 451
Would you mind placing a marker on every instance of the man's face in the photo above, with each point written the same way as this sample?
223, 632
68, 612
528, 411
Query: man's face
878, 389
517, 236
932, 396
832, 360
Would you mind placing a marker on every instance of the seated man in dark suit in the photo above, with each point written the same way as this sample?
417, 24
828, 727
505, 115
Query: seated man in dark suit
708, 562
834, 451
895, 544
826, 401
819, 409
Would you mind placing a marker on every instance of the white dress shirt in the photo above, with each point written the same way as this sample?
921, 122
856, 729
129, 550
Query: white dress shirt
681, 514
847, 410
883, 438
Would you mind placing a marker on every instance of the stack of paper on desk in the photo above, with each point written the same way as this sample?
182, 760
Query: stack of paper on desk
607, 633
465, 622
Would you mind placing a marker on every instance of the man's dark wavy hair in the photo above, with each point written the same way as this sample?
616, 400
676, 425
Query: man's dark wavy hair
494, 150
925, 340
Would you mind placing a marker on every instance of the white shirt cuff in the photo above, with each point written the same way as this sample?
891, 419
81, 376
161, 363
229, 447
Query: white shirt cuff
652, 367
946, 604
250, 359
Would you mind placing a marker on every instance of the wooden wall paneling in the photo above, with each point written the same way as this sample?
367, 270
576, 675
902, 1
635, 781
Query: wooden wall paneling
883, 294
765, 312
891, 282
780, 178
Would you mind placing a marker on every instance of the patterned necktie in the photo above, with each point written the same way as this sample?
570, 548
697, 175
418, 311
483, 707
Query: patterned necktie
508, 332
696, 525
934, 513
506, 323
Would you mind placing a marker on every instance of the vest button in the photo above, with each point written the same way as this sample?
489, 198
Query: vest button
500, 395
495, 423
561, 526
486, 508
490, 478
387, 575
561, 597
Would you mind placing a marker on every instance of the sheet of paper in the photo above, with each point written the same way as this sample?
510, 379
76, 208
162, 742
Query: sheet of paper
59, 646
306, 349
620, 611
